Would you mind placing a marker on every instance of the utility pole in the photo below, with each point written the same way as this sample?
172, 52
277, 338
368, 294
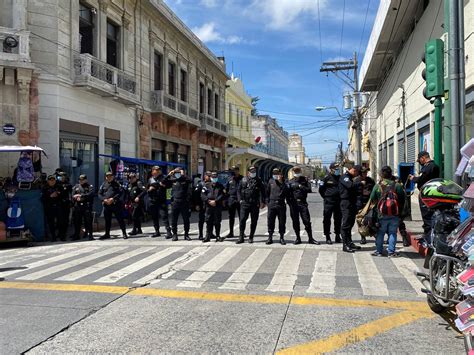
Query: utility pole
404, 124
448, 166
339, 68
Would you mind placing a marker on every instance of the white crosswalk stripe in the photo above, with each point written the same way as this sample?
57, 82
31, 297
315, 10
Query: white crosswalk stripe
75, 262
103, 265
287, 272
47, 261
130, 269
31, 253
370, 279
204, 273
407, 268
168, 270
324, 275
244, 273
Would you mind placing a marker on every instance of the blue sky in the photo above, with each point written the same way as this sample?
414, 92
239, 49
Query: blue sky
276, 48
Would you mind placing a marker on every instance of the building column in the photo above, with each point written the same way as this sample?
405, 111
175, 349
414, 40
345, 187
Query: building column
126, 19
19, 14
24, 80
102, 30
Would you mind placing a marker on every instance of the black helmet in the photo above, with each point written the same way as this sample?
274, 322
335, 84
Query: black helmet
440, 193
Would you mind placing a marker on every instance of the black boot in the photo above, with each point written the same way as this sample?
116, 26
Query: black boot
346, 248
338, 239
124, 235
297, 240
175, 238
168, 233
355, 247
269, 240
133, 232
91, 237
105, 236
363, 240
186, 236
230, 235
157, 233
241, 240
311, 240
328, 240
251, 239
282, 240
207, 239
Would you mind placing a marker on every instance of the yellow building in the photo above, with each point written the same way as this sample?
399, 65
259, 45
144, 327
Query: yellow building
238, 111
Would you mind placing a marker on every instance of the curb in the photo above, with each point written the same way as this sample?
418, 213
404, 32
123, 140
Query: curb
415, 245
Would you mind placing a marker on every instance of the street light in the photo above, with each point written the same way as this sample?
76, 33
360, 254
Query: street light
322, 108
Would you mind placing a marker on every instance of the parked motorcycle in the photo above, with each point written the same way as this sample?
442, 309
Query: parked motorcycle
443, 259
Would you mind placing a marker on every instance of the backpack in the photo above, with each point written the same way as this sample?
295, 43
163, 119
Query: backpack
388, 203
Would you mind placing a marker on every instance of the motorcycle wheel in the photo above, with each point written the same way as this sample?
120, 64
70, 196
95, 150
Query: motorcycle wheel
434, 304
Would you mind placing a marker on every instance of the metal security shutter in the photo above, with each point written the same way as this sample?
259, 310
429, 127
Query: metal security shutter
384, 154
380, 153
401, 148
391, 155
411, 148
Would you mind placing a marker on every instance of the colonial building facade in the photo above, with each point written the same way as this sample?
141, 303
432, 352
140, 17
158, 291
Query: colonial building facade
122, 78
296, 151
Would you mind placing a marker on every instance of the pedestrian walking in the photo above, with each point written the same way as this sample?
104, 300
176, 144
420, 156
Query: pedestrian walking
364, 192
136, 193
276, 193
50, 195
298, 189
199, 203
389, 197
213, 197
402, 228
233, 202
349, 184
110, 193
428, 172
156, 190
251, 194
181, 191
82, 200
329, 191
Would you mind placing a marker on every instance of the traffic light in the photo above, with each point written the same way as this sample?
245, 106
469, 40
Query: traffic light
433, 73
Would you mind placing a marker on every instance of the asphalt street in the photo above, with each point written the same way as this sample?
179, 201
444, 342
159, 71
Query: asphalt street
151, 295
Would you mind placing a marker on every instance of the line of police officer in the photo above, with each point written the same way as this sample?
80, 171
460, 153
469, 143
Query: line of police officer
246, 196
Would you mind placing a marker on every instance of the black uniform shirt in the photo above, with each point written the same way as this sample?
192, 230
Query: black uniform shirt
135, 190
181, 189
299, 188
329, 188
213, 192
87, 194
428, 172
110, 190
348, 188
276, 191
232, 188
251, 190
48, 200
158, 195
65, 190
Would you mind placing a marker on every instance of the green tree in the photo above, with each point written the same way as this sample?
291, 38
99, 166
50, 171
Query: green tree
255, 100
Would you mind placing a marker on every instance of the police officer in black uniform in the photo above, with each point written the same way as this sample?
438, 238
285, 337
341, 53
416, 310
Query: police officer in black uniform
251, 194
349, 185
65, 189
276, 193
299, 187
428, 172
181, 192
213, 196
136, 192
329, 191
52, 206
110, 193
232, 189
156, 189
364, 193
199, 204
82, 200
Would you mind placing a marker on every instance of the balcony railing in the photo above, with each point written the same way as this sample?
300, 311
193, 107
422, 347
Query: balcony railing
14, 45
105, 79
160, 101
209, 123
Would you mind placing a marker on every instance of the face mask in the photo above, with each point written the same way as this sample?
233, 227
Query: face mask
297, 175
337, 172
276, 177
177, 175
214, 179
252, 175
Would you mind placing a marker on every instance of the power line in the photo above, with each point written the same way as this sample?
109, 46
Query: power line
320, 40
363, 27
342, 29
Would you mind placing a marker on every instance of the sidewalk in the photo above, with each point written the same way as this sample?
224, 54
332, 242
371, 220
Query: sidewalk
414, 227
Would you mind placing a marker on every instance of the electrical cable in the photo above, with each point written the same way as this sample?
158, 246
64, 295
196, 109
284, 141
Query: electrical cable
342, 28
363, 27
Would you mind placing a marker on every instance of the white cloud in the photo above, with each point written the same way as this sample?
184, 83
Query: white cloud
285, 13
209, 3
208, 33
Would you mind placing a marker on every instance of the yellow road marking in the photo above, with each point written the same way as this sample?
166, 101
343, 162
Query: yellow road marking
357, 334
415, 306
